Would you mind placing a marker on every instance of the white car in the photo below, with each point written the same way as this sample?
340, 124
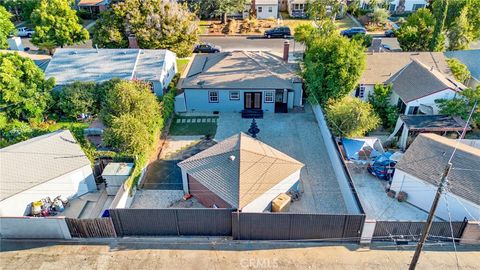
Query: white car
25, 32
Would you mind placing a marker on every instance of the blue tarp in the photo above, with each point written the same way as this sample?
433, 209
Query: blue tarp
356, 149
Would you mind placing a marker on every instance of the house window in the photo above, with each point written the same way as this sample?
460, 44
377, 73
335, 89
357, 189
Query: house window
259, 9
269, 97
361, 91
417, 6
234, 95
412, 110
213, 96
270, 9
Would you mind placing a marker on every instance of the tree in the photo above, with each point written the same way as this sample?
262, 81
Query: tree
128, 135
459, 34
463, 105
226, 7
380, 15
459, 70
6, 27
471, 8
323, 9
56, 23
380, 100
417, 32
156, 24
440, 7
25, 91
305, 32
76, 99
351, 117
333, 66
22, 9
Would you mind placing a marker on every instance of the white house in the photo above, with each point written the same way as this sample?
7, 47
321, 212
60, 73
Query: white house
266, 9
419, 171
99, 65
239, 80
297, 8
241, 173
418, 79
46, 166
410, 5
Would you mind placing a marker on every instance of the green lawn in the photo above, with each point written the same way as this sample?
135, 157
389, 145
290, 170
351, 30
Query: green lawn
293, 23
182, 64
345, 23
181, 127
203, 27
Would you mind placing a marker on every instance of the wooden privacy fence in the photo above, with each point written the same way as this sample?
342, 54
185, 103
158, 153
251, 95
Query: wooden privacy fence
411, 230
91, 227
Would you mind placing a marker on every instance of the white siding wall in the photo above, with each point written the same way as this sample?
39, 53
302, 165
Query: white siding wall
368, 89
421, 194
168, 72
430, 100
69, 185
267, 11
408, 3
262, 202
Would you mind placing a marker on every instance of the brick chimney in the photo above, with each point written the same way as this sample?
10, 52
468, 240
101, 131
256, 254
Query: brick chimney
286, 49
132, 42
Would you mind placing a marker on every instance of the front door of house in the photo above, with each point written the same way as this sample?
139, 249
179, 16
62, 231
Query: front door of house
253, 100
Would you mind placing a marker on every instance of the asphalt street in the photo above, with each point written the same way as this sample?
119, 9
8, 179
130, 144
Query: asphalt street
275, 45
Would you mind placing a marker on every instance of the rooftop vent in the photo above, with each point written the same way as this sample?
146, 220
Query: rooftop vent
232, 158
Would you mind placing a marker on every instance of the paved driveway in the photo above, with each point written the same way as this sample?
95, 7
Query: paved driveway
297, 135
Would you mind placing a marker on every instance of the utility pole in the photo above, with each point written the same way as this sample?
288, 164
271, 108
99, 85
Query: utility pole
431, 215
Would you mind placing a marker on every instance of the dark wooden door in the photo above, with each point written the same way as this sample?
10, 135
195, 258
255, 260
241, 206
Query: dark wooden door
253, 100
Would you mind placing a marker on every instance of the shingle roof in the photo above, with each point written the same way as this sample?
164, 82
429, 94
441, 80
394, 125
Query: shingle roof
433, 123
416, 80
92, 2
256, 168
69, 65
471, 58
428, 155
38, 160
240, 69
381, 66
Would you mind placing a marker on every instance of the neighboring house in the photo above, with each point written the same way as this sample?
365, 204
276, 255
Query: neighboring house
240, 172
297, 8
93, 6
409, 126
46, 166
410, 5
266, 9
239, 80
99, 65
40, 60
420, 170
418, 79
471, 59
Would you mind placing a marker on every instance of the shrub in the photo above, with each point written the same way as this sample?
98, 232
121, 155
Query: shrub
459, 70
77, 98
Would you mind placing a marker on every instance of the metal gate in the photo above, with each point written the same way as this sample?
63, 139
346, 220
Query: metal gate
290, 226
411, 230
159, 222
91, 227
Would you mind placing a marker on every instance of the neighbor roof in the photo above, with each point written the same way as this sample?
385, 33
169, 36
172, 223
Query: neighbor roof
428, 155
381, 66
471, 58
69, 65
92, 2
266, 2
433, 123
38, 160
240, 69
416, 80
255, 169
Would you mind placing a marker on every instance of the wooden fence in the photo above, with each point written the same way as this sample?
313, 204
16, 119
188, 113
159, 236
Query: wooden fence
91, 227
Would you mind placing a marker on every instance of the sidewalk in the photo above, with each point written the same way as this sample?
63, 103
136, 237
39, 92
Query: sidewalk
215, 253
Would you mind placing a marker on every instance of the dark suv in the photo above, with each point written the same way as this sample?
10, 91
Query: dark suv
353, 31
206, 48
282, 32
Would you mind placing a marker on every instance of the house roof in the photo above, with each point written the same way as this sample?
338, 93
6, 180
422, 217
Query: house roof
240, 69
69, 65
470, 58
428, 155
416, 80
255, 169
92, 2
38, 160
433, 123
266, 2
381, 66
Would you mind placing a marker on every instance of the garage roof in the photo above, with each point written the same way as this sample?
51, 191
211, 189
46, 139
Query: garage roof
38, 160
240, 169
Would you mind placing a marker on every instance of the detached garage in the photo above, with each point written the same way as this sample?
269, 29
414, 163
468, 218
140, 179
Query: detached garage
45, 166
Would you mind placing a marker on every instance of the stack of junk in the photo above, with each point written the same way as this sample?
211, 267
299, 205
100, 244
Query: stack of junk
46, 207
281, 203
115, 174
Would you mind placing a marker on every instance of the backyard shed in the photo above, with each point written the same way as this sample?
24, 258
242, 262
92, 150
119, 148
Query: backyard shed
45, 166
240, 172
115, 175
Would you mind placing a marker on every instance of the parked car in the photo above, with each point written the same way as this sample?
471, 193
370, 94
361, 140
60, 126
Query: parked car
353, 31
390, 33
383, 167
282, 32
206, 48
25, 32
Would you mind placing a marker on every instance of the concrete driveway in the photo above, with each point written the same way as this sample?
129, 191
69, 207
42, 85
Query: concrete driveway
297, 135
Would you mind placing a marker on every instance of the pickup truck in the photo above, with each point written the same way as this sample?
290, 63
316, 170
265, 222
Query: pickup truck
25, 32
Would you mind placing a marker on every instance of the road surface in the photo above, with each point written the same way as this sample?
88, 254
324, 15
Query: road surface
252, 43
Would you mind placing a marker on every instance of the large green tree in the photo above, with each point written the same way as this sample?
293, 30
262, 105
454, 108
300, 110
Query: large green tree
351, 117
77, 98
380, 100
57, 24
333, 66
463, 105
156, 24
460, 33
24, 91
323, 9
6, 26
22, 9
417, 32
440, 8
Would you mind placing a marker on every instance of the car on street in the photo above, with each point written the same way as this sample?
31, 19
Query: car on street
25, 32
390, 33
353, 31
207, 48
279, 32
